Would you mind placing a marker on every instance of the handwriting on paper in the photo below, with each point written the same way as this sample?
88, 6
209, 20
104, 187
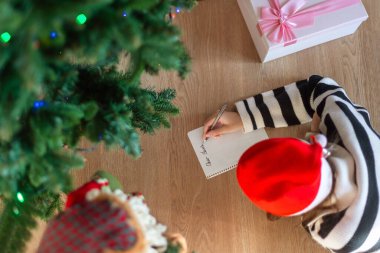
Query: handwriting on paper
204, 152
208, 162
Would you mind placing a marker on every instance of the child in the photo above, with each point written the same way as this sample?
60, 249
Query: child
333, 180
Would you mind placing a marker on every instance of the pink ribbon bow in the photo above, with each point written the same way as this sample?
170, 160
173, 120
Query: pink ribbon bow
278, 22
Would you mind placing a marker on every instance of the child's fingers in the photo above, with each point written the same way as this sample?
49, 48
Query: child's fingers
207, 125
218, 132
205, 129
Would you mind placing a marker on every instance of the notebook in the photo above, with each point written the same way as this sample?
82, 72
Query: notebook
217, 156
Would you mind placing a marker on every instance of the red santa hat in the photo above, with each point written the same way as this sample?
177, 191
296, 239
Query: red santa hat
79, 195
285, 176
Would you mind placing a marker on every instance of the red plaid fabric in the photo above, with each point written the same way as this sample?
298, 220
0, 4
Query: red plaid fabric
89, 227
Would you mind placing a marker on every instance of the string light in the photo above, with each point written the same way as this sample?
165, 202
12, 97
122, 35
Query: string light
81, 19
53, 35
38, 104
5, 37
20, 197
16, 211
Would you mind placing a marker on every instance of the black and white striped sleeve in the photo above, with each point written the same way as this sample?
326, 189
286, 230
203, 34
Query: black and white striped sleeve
281, 107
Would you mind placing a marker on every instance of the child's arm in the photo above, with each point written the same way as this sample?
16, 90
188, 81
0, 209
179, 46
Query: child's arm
293, 104
281, 107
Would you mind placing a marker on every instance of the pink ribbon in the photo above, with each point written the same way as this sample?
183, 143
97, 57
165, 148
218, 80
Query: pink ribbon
278, 22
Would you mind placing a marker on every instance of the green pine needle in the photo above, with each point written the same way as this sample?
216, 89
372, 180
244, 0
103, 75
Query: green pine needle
64, 54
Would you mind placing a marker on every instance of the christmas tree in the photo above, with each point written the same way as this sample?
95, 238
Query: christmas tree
59, 81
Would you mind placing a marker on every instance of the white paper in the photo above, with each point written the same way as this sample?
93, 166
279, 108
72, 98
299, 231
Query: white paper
217, 156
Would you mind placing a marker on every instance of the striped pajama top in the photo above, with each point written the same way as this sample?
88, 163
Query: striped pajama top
356, 228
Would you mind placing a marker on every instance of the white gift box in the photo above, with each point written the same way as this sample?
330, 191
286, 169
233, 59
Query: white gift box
326, 27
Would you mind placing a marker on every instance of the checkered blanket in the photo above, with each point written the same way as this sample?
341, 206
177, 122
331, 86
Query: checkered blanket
89, 227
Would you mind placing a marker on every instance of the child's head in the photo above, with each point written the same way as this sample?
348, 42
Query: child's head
285, 176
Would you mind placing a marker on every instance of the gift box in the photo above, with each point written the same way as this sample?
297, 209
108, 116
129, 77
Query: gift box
283, 27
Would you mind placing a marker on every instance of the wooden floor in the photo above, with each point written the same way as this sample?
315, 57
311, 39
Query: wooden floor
213, 214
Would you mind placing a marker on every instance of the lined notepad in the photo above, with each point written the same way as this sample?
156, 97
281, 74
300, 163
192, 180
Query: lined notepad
217, 156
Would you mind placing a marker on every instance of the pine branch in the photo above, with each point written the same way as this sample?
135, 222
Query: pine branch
58, 83
18, 219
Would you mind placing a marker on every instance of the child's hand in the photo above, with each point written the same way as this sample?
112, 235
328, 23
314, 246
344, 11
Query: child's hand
229, 122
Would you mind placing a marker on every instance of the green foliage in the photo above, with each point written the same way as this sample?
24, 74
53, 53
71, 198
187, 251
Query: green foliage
173, 249
18, 219
113, 109
152, 42
58, 83
14, 229
150, 109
